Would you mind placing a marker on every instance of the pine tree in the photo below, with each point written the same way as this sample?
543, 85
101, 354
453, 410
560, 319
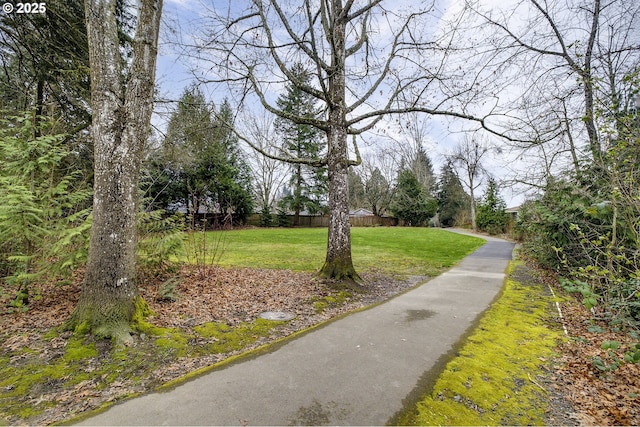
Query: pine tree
200, 164
185, 149
452, 199
309, 183
45, 61
412, 203
231, 188
491, 216
422, 168
44, 69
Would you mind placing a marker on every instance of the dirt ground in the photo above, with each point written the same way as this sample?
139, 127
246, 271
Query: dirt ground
580, 392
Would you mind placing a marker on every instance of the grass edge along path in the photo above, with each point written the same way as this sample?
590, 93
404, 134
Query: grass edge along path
492, 379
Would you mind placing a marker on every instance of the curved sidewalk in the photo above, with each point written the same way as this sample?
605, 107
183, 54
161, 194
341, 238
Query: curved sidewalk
359, 370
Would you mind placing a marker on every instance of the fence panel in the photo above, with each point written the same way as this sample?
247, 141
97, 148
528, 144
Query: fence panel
323, 221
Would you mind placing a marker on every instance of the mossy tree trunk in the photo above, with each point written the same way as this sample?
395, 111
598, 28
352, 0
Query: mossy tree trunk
121, 117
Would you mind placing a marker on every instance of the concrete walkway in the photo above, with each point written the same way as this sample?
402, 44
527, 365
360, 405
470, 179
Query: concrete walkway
359, 370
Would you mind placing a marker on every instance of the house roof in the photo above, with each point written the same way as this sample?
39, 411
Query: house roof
360, 212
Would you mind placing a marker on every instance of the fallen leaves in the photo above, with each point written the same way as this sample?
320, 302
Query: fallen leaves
600, 397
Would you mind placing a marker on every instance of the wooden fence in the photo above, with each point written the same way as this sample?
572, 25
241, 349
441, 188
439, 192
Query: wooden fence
323, 221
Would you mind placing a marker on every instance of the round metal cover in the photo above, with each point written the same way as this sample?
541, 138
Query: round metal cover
277, 315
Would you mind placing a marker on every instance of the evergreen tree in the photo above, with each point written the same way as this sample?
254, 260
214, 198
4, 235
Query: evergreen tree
412, 203
231, 187
422, 168
309, 183
491, 216
356, 190
44, 69
43, 209
45, 61
200, 164
378, 192
452, 199
188, 141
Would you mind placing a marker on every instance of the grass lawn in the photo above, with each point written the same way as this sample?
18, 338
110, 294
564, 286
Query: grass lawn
394, 250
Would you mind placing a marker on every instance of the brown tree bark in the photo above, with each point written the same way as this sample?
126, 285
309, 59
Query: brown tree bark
120, 126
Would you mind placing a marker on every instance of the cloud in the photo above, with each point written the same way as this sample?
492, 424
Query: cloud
181, 3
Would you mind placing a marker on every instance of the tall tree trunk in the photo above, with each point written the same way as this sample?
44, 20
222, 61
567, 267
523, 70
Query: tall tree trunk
474, 226
587, 80
338, 263
120, 127
297, 198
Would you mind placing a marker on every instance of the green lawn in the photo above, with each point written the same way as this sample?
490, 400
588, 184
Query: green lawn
395, 250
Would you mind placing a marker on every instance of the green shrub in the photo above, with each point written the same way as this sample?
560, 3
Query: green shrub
160, 239
587, 228
412, 203
282, 219
44, 208
266, 217
491, 216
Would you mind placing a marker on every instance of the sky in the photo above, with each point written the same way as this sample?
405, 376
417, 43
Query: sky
181, 18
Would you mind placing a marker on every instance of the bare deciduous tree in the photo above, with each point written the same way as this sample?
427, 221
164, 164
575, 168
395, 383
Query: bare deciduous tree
467, 159
269, 174
367, 60
567, 59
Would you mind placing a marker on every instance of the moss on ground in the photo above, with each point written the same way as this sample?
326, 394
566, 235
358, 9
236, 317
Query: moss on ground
32, 381
227, 339
28, 376
332, 301
78, 349
492, 380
